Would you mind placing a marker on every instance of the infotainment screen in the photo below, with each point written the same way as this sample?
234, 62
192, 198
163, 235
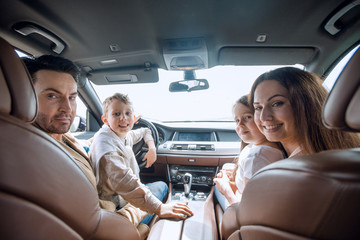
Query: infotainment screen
194, 136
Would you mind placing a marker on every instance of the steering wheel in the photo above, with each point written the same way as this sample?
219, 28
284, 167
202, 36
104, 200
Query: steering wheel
140, 149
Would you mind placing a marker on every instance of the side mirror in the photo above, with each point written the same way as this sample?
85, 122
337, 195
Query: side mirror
189, 85
78, 125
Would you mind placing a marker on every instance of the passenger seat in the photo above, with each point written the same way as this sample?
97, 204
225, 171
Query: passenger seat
43, 192
311, 197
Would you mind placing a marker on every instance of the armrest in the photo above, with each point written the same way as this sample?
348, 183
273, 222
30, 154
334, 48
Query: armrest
200, 226
229, 222
115, 226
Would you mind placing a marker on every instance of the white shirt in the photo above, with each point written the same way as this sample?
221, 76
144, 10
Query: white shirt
251, 159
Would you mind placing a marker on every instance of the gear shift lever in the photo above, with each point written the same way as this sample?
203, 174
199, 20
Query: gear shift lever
187, 179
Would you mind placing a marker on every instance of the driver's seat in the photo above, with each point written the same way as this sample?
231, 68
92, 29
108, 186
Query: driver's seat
43, 192
311, 197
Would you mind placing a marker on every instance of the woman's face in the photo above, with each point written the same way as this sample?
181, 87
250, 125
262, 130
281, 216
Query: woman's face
274, 115
245, 125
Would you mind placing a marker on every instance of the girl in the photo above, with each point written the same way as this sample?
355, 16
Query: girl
256, 153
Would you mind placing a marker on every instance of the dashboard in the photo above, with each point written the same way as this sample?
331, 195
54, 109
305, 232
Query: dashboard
199, 148
197, 131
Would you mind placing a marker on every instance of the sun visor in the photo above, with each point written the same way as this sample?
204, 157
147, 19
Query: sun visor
266, 55
124, 76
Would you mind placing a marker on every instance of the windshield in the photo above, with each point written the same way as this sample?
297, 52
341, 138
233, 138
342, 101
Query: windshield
154, 100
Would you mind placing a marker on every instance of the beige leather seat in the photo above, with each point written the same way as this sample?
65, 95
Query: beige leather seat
310, 197
43, 193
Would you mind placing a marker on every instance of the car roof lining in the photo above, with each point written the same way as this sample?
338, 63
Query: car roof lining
147, 24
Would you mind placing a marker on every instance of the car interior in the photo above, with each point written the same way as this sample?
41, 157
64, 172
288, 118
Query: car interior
183, 64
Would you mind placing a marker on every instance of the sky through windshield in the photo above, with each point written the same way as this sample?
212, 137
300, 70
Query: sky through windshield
154, 101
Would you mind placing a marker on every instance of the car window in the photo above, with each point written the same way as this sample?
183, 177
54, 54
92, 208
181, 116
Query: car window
79, 123
21, 53
335, 72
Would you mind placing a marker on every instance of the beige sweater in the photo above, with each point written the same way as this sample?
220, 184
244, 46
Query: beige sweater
117, 171
77, 151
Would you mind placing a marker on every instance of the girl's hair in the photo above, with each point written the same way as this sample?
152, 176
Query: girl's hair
307, 96
244, 101
117, 96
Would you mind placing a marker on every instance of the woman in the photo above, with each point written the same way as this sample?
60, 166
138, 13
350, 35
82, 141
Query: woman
288, 105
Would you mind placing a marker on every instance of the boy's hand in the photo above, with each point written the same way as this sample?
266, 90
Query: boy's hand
150, 156
136, 119
174, 210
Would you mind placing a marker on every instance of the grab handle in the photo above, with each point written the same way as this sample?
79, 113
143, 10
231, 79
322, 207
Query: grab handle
28, 28
330, 25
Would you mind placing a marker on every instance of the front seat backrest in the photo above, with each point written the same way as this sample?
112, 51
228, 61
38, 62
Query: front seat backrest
311, 197
341, 110
43, 192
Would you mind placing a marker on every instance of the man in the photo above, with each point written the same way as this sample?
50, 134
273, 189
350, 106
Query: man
55, 83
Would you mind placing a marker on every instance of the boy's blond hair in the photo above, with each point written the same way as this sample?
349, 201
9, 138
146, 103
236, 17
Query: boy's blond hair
117, 96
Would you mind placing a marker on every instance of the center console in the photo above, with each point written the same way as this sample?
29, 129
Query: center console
192, 185
201, 175
191, 182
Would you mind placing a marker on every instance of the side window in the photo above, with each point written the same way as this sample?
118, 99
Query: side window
22, 54
79, 123
334, 74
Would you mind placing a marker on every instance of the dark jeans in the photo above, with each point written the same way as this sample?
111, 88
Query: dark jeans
160, 190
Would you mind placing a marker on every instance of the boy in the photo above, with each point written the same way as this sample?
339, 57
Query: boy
116, 168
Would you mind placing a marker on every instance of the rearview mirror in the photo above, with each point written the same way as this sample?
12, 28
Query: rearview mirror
189, 85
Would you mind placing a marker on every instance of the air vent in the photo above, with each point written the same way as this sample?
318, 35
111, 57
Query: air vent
205, 147
193, 147
179, 147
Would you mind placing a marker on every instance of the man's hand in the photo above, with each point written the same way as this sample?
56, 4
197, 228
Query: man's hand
174, 210
150, 156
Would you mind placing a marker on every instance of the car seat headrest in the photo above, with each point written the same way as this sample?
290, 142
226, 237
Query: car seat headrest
17, 94
340, 110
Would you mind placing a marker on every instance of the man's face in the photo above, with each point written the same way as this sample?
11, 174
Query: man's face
56, 92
